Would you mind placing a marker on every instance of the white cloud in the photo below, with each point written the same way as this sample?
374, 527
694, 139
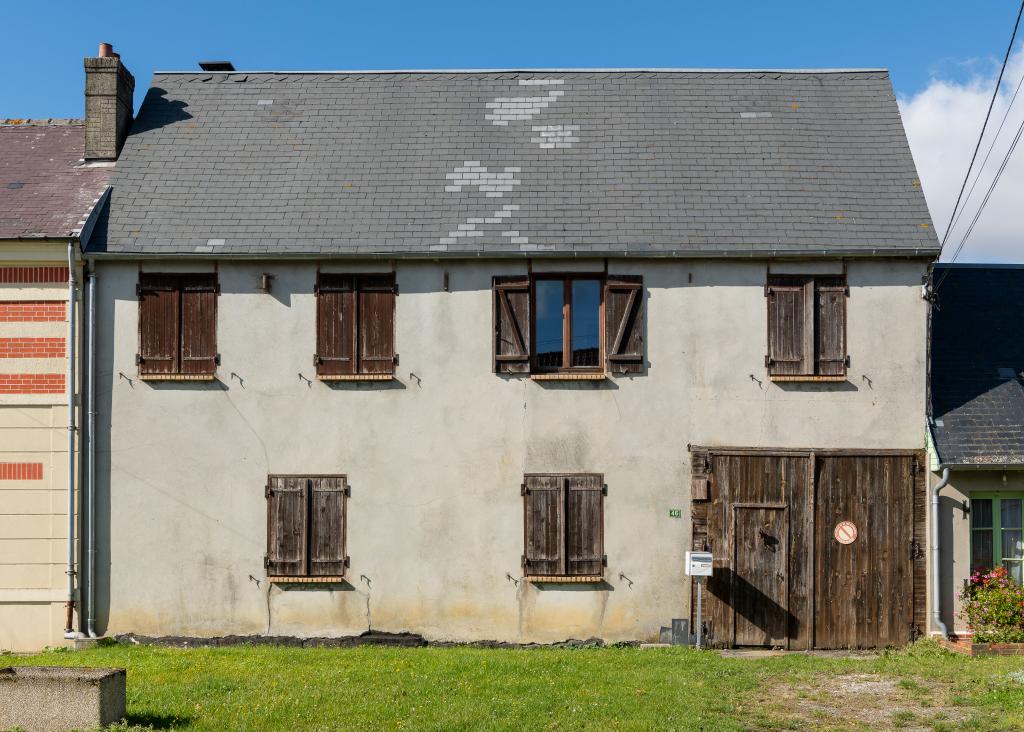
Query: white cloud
943, 122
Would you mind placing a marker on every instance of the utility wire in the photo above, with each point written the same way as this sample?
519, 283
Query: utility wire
995, 93
991, 146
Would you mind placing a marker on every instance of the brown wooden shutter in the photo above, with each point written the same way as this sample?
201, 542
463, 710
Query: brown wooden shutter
511, 324
624, 323
700, 465
287, 501
335, 325
790, 330
376, 324
159, 324
830, 326
327, 526
585, 525
199, 324
544, 503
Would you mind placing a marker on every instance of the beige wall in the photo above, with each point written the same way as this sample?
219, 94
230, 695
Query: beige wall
33, 513
435, 459
955, 528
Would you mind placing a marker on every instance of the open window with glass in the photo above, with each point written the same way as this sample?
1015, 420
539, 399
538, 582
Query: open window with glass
997, 533
568, 318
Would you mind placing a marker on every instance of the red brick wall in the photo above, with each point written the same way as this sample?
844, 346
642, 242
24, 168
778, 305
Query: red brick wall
31, 383
21, 471
32, 348
33, 311
26, 275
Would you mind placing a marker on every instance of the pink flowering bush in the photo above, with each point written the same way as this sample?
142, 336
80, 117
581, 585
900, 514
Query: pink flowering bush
993, 606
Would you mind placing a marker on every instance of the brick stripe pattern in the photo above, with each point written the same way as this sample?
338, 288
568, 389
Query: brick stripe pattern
31, 383
33, 311
32, 348
21, 471
31, 275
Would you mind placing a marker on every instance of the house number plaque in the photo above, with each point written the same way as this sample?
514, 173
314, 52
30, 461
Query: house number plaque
845, 532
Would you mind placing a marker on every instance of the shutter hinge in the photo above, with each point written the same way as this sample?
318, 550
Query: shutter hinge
604, 489
267, 493
316, 288
604, 560
216, 359
138, 289
348, 491
846, 361
767, 361
138, 359
347, 562
216, 287
395, 359
522, 561
767, 290
396, 287
317, 360
522, 489
846, 289
266, 562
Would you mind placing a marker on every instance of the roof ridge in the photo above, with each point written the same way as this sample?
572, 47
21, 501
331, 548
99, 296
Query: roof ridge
645, 70
52, 121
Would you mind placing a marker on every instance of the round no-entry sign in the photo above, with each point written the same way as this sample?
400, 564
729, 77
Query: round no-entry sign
845, 532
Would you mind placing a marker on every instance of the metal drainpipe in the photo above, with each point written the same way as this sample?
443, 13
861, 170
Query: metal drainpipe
90, 442
936, 590
69, 631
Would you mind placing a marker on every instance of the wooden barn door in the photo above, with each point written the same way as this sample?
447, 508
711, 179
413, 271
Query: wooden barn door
864, 589
760, 591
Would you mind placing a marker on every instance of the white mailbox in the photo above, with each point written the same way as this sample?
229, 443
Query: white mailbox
698, 564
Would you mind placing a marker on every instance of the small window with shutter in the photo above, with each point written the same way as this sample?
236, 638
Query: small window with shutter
806, 327
568, 325
306, 528
564, 527
177, 326
355, 326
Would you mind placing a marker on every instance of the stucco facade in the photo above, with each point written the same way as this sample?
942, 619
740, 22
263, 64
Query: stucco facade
435, 457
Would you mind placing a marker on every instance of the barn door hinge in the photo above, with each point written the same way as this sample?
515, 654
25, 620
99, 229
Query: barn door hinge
914, 467
915, 549
915, 633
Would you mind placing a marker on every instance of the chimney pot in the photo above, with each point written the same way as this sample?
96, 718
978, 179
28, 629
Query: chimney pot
106, 50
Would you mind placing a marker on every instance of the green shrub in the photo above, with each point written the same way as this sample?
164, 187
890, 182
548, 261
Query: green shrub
993, 606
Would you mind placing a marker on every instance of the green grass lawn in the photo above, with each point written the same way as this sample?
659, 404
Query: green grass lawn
262, 687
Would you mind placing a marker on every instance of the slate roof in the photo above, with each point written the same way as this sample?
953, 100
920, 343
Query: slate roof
977, 360
584, 162
45, 191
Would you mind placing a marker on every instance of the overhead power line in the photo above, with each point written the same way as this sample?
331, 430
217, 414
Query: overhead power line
995, 94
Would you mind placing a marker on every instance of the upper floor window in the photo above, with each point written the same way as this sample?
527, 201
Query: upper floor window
997, 533
570, 323
355, 326
806, 327
177, 325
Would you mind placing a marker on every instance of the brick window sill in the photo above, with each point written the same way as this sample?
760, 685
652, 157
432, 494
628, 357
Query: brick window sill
177, 377
807, 378
355, 377
305, 580
565, 579
565, 376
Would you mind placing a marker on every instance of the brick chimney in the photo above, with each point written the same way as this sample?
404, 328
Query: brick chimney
109, 87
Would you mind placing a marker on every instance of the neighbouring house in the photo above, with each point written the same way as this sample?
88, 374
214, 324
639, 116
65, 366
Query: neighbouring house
53, 178
480, 355
976, 425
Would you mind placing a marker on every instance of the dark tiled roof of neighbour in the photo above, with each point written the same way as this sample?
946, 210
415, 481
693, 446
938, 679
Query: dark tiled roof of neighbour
977, 389
586, 162
45, 191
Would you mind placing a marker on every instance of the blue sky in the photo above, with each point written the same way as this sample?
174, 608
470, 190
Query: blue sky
943, 56
45, 42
